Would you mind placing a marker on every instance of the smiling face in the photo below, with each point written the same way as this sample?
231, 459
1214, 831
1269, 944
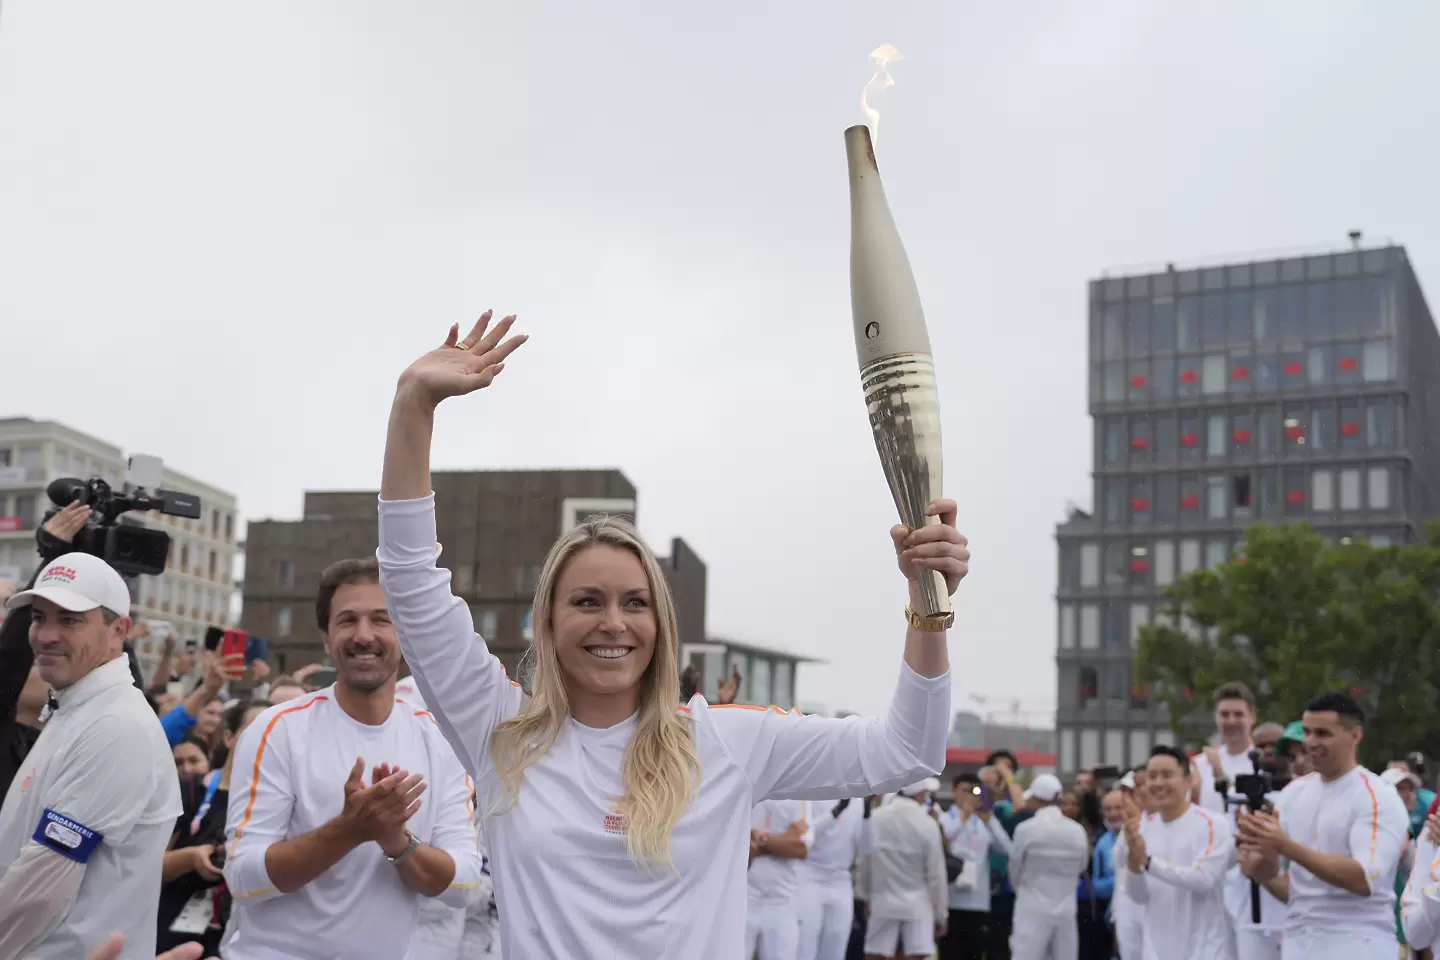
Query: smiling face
190, 758
603, 624
69, 645
361, 639
1167, 783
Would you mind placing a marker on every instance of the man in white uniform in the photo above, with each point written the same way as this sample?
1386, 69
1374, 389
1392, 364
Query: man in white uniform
905, 878
1176, 863
84, 827
1342, 830
330, 844
827, 894
1234, 722
780, 836
1051, 851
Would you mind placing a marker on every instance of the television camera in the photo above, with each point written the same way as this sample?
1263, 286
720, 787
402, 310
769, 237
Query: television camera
1252, 791
127, 546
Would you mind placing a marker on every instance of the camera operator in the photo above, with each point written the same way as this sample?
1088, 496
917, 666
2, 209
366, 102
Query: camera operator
1340, 881
84, 829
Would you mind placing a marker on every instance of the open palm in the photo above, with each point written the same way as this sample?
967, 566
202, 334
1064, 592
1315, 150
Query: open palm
463, 366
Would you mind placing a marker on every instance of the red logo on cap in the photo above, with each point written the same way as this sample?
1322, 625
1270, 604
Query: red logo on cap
59, 573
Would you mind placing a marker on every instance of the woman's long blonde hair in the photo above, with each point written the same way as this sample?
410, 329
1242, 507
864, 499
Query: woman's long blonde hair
661, 768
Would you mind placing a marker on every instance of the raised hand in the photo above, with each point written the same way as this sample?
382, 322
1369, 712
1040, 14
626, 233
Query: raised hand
112, 948
937, 547
729, 689
380, 810
462, 366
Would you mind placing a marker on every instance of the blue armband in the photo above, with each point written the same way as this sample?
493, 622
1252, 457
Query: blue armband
66, 837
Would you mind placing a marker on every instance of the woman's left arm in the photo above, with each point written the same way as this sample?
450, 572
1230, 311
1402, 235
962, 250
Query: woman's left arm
786, 755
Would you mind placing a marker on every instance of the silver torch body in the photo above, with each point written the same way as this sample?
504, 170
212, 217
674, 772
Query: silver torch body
897, 372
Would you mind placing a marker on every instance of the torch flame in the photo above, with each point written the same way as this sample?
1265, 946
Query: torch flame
883, 55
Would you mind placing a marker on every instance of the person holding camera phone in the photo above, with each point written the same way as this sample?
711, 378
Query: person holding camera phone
971, 832
85, 824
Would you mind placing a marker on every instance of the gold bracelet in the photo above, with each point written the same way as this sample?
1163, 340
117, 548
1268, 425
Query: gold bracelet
929, 624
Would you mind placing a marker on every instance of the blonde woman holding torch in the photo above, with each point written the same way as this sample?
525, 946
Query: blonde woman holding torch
618, 824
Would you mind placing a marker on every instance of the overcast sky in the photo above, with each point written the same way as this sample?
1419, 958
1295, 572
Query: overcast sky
224, 230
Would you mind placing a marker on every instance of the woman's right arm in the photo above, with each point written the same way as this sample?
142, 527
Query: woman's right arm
463, 684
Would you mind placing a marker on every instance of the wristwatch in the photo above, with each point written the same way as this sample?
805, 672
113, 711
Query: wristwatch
407, 853
929, 624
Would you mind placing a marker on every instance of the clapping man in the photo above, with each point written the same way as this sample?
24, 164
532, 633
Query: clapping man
330, 841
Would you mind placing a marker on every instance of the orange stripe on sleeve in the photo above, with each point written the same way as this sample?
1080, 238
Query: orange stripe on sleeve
255, 774
1374, 817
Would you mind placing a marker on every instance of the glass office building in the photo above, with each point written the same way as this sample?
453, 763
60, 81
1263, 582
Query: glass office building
1279, 390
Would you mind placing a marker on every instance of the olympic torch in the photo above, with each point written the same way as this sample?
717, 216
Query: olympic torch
897, 373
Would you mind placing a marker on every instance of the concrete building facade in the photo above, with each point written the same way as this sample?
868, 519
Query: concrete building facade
1288, 389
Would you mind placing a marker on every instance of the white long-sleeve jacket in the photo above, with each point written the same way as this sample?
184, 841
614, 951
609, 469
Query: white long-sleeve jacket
1181, 894
564, 883
906, 873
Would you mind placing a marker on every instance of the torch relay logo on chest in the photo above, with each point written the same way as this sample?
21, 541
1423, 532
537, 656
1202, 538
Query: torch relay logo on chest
616, 821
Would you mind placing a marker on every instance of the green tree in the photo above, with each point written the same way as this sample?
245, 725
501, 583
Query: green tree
1292, 616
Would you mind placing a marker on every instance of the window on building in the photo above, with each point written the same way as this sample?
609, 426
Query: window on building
1216, 442
462, 579
1242, 363
1140, 500
1114, 379
1292, 370
1089, 687
1115, 742
1270, 498
1140, 565
1090, 626
1267, 373
760, 677
1350, 489
1163, 441
1113, 326
1089, 748
1162, 378
214, 523
1189, 496
1067, 751
1189, 437
1113, 625
1240, 495
1187, 376
1377, 424
1140, 739
1067, 626
1114, 441
1294, 423
1212, 374
1381, 540
1138, 377
1139, 617
1167, 497
1377, 488
287, 575
283, 622
487, 622
1115, 505
1322, 491
1117, 680
1350, 439
1347, 363
185, 557
1189, 556
229, 526
1240, 319
1212, 320
1217, 498
783, 691
1117, 564
212, 563
1294, 481
1319, 362
1140, 439
25, 510
1187, 325
1241, 434
1164, 563
1216, 552
1089, 566
1321, 435
1319, 316
1376, 363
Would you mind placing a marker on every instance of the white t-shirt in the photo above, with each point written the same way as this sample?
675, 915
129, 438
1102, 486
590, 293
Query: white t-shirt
837, 843
303, 751
1357, 815
971, 840
1182, 894
565, 885
103, 764
1420, 903
774, 880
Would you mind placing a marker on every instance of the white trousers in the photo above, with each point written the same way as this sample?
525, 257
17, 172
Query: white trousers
1130, 933
774, 929
1331, 946
1254, 944
827, 911
1038, 935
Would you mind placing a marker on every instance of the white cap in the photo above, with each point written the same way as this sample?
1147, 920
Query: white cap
79, 583
1398, 775
1127, 781
1045, 788
928, 785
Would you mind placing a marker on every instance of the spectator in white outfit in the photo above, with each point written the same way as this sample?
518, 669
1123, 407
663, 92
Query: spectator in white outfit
843, 834
596, 766
1342, 830
1420, 904
908, 906
1129, 918
971, 832
329, 839
780, 836
1175, 863
1050, 853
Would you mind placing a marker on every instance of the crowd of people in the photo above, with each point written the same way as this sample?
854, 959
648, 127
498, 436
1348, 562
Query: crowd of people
596, 811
